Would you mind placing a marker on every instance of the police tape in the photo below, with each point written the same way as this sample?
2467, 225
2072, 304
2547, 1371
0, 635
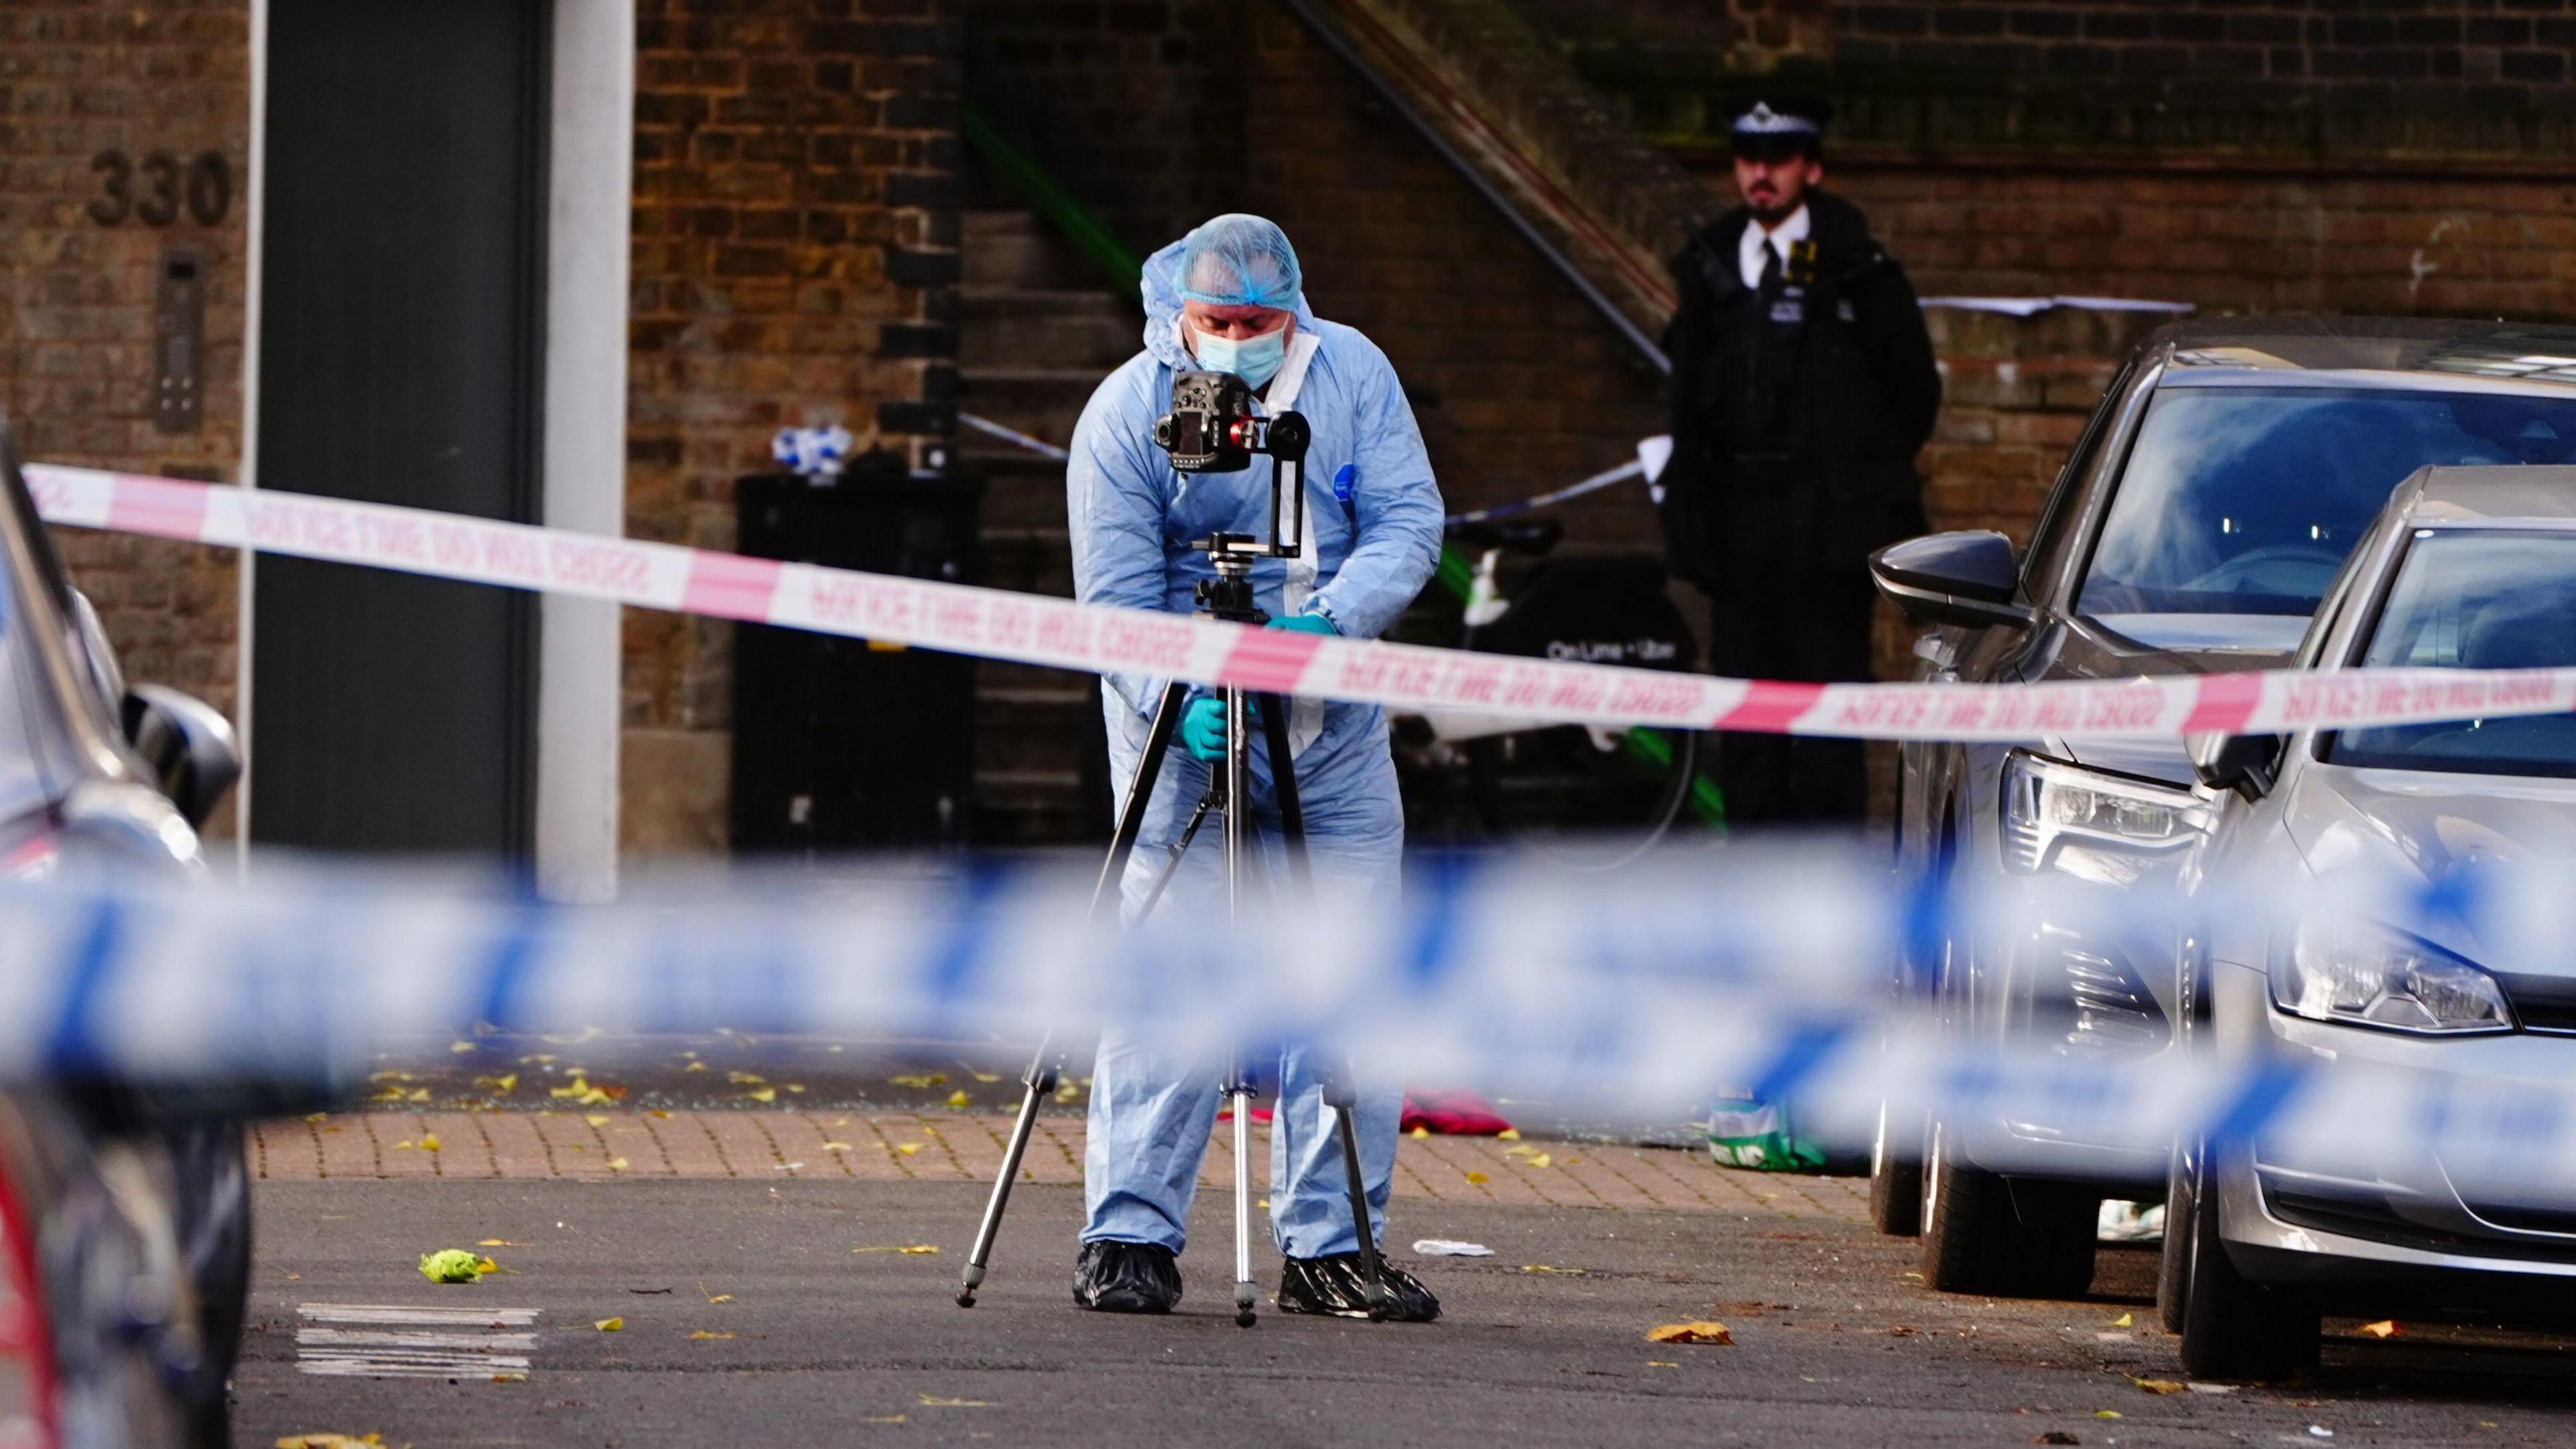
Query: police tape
1694, 976
1097, 638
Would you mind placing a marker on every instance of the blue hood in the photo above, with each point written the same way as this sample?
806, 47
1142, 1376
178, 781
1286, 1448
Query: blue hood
1162, 294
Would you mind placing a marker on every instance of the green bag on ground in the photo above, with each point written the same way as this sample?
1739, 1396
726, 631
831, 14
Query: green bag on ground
1746, 1132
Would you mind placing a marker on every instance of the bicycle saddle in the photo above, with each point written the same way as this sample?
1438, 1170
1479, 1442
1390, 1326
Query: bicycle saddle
1512, 535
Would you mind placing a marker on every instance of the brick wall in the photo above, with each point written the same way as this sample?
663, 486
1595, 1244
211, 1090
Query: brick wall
794, 258
79, 78
1132, 104
1520, 387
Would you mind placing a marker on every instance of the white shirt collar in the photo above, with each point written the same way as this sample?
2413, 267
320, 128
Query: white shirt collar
1748, 251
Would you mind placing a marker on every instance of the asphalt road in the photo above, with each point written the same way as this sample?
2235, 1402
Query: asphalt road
1833, 1343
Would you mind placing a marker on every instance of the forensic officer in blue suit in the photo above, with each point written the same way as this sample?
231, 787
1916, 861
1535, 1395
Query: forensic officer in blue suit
1229, 297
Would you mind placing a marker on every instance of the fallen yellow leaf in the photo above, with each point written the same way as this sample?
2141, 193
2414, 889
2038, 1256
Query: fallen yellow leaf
418, 1094
2384, 1328
1509, 1134
932, 1402
836, 1147
504, 1084
610, 1325
1541, 1160
908, 1148
1478, 1178
460, 1047
695, 1067
959, 1098
658, 1112
429, 1142
509, 1378
596, 1119
887, 1419
2106, 1413
924, 1080
2159, 1386
1697, 1331
1661, 1363
319, 1117
499, 1243
1547, 1268
485, 1267
617, 1164
987, 1076
747, 1079
1421, 1131
702, 1333
405, 1145
796, 1086
762, 1094
2123, 1321
914, 1250
1522, 1151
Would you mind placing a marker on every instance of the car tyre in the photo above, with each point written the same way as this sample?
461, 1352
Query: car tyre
2232, 1327
1984, 1234
2173, 1282
1895, 1180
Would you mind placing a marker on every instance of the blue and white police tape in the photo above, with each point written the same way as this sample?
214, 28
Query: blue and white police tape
2049, 1019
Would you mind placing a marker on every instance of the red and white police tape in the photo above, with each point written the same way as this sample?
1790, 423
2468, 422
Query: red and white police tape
1095, 638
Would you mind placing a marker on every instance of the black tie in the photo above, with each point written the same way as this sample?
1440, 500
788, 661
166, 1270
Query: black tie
1770, 283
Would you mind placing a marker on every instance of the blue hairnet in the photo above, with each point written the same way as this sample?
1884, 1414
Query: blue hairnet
1240, 261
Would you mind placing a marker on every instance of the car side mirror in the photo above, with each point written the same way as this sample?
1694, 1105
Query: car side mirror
2246, 764
189, 748
1966, 578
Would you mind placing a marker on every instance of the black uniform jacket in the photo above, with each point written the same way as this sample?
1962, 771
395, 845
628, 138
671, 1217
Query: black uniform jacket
1864, 403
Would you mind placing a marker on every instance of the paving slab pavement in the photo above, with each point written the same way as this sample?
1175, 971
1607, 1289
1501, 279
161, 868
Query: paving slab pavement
770, 1304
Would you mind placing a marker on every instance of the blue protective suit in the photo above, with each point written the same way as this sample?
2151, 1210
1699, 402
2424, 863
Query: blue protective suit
1132, 519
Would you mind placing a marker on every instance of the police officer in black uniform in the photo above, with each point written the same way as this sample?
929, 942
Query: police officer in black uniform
1803, 386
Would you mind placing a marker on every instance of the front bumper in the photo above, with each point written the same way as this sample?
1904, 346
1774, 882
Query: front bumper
2425, 1207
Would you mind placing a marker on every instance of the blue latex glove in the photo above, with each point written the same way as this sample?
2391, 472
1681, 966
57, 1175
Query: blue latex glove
1203, 728
1306, 624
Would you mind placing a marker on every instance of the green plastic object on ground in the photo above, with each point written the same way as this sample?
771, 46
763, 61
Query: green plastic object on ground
451, 1265
1746, 1132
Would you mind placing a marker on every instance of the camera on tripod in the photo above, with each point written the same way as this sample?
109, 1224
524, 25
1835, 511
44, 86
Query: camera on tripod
1213, 429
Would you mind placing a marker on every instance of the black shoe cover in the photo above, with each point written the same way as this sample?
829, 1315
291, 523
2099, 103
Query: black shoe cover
1338, 1285
1126, 1278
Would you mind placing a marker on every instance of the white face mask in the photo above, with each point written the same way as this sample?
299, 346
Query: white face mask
1254, 359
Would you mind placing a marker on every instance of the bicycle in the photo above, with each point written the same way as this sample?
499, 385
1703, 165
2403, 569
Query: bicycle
1594, 798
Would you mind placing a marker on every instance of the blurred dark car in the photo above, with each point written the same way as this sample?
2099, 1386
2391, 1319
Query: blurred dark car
2207, 508
124, 1206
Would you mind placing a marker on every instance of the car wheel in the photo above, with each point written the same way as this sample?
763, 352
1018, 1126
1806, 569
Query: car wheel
2173, 1278
2233, 1327
1895, 1180
1984, 1234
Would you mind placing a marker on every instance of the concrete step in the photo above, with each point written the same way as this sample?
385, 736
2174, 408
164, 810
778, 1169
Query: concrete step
1043, 401
1033, 560
1086, 329
1016, 248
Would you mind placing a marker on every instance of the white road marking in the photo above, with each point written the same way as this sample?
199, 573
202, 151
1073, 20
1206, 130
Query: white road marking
386, 1341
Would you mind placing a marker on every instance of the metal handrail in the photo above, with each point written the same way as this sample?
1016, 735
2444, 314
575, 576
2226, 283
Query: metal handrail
1340, 44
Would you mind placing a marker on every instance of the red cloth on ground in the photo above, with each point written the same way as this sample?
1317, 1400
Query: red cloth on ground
1452, 1114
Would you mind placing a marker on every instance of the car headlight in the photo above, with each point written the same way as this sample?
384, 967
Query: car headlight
2104, 828
2366, 974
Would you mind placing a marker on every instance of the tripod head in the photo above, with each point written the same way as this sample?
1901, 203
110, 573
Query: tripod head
1213, 429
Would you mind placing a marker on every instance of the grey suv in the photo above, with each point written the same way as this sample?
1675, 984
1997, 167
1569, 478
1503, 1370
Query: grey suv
2205, 511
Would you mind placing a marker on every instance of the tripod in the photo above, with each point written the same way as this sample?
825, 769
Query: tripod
1227, 596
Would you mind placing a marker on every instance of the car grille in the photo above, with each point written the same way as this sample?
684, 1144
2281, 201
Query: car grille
2372, 1220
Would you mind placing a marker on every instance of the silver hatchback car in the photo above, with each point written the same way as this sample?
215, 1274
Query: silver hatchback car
2473, 568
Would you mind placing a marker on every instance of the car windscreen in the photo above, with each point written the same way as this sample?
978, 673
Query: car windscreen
2245, 500
2475, 599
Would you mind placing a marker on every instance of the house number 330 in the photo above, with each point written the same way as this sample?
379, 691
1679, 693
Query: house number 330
156, 189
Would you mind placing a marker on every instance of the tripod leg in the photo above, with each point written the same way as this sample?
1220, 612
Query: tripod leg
1045, 1070
1239, 1092
1041, 1079
1340, 1092
1283, 783
1180, 848
1140, 792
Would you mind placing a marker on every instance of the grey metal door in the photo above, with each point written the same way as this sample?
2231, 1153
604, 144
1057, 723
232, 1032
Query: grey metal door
401, 337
